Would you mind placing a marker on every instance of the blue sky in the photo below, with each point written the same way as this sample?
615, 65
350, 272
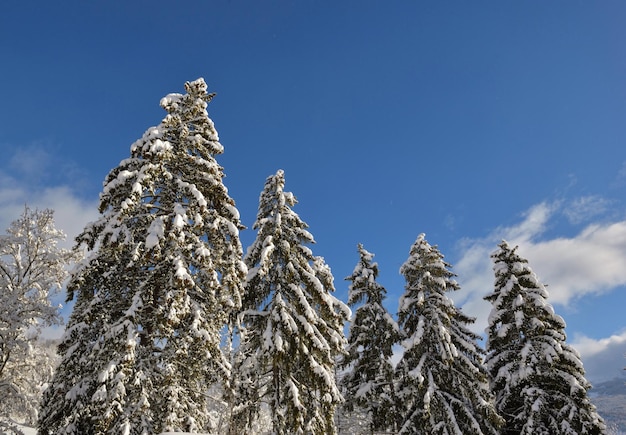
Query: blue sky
468, 121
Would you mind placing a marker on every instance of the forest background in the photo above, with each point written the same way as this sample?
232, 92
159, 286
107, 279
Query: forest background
469, 122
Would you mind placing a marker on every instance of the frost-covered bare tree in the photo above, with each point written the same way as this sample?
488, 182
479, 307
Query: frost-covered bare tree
442, 385
293, 325
537, 378
164, 273
32, 268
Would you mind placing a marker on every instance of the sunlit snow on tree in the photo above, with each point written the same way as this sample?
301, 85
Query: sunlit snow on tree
293, 326
538, 379
163, 273
368, 380
442, 385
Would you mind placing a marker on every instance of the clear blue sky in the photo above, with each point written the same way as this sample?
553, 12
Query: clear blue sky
468, 121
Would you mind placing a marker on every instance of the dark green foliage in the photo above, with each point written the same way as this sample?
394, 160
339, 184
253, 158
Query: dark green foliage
538, 380
163, 274
292, 325
442, 385
368, 381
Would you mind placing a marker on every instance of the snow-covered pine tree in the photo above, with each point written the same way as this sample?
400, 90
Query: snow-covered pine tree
442, 385
368, 381
32, 268
164, 272
293, 325
538, 380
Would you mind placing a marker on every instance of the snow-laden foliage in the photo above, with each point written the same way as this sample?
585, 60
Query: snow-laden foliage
163, 273
368, 381
292, 325
32, 269
442, 385
538, 380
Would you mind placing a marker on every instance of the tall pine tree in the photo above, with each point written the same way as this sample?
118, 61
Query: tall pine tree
538, 379
164, 271
293, 326
368, 381
442, 384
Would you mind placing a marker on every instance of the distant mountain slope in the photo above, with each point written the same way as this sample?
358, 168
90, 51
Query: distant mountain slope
616, 386
610, 399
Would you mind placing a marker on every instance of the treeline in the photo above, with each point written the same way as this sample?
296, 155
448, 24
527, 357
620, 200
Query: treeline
175, 329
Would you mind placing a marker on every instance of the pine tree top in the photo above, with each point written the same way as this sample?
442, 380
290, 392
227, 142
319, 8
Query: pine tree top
519, 299
363, 286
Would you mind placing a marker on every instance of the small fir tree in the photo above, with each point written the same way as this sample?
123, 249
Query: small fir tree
442, 385
32, 269
538, 380
163, 275
368, 381
293, 326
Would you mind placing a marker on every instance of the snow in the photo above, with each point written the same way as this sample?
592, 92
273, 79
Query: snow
364, 389
202, 251
159, 146
180, 216
416, 337
155, 232
170, 101
193, 190
28, 430
295, 393
519, 318
182, 273
234, 212
122, 176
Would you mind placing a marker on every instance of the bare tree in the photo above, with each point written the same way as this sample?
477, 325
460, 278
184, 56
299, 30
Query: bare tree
32, 268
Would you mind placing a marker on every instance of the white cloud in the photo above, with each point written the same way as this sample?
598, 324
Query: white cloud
26, 182
71, 212
591, 262
584, 208
604, 359
534, 223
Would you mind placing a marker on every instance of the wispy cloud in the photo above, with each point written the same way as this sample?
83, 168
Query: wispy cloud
620, 179
31, 161
585, 208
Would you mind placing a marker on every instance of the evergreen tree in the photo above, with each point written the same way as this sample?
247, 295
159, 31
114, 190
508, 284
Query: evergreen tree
368, 381
442, 384
538, 380
163, 274
293, 326
32, 268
